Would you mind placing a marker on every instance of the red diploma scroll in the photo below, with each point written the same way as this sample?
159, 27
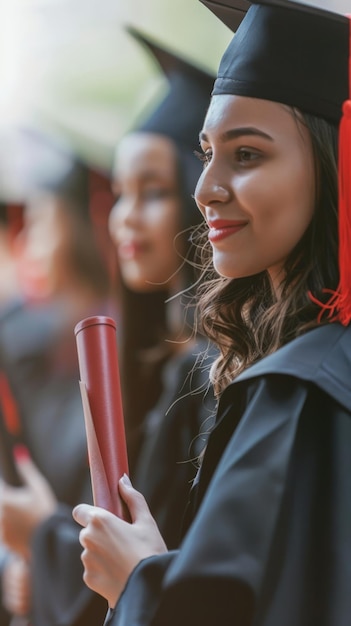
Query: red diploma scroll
103, 412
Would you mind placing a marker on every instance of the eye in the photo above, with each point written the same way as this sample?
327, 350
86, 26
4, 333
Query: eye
204, 157
247, 155
157, 193
115, 202
116, 190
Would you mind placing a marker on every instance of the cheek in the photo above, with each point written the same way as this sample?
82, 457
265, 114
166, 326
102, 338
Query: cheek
298, 207
163, 221
165, 246
284, 201
114, 223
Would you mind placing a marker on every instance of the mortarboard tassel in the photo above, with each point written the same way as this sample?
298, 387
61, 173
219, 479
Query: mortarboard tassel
339, 305
343, 300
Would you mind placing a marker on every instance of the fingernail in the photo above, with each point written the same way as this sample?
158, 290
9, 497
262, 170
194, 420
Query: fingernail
75, 510
21, 453
126, 480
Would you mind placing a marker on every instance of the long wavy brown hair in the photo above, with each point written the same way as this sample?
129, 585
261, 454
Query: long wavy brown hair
242, 316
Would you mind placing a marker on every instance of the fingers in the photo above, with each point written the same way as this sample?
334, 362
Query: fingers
135, 501
35, 499
83, 514
16, 586
27, 469
24, 508
98, 524
23, 461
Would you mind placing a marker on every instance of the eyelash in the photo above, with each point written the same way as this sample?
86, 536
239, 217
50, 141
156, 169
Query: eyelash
204, 157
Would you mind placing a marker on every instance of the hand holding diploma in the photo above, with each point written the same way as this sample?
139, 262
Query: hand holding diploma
112, 547
103, 412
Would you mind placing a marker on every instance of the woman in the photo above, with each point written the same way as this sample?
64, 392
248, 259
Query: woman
65, 280
154, 174
269, 535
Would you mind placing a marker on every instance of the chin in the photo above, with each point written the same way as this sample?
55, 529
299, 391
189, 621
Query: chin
133, 282
140, 285
226, 272
232, 272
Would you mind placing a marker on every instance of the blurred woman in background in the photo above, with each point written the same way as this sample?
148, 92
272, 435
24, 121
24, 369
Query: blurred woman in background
64, 280
154, 176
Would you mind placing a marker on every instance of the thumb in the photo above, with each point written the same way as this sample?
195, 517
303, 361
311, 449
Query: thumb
28, 471
134, 500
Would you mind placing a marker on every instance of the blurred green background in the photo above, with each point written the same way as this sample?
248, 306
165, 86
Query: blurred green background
68, 65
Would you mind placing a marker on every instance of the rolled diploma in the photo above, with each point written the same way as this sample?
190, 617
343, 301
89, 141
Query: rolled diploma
103, 412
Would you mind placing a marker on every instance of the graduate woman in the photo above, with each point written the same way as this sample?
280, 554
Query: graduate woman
269, 535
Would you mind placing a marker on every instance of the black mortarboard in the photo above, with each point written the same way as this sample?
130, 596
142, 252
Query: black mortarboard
299, 54
180, 114
287, 52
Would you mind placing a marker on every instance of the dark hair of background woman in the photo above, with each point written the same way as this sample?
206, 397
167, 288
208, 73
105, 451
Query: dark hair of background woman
148, 340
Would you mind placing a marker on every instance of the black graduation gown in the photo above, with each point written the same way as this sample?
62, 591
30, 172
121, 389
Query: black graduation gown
270, 538
174, 435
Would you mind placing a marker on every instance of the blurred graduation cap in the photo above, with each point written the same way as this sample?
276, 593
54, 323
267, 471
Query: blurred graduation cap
180, 114
299, 54
48, 163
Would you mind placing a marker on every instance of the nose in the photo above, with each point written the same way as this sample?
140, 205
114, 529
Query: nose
210, 189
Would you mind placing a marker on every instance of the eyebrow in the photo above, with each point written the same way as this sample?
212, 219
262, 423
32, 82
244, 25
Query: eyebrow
153, 175
145, 176
234, 133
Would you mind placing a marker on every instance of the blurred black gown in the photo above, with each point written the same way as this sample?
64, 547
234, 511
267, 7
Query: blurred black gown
174, 432
269, 525
38, 356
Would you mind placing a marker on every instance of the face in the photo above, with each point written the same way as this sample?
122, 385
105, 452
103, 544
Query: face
146, 217
45, 243
257, 190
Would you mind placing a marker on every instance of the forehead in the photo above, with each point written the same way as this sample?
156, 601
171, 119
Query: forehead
145, 151
227, 112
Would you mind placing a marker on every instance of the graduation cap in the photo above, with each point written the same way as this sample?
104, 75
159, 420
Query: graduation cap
180, 114
299, 54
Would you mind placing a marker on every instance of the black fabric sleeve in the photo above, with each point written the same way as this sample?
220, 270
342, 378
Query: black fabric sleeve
60, 596
142, 592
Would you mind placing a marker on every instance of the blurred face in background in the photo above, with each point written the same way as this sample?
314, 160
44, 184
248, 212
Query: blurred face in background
145, 219
45, 244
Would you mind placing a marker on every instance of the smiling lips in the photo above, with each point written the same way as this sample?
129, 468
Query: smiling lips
220, 229
130, 250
